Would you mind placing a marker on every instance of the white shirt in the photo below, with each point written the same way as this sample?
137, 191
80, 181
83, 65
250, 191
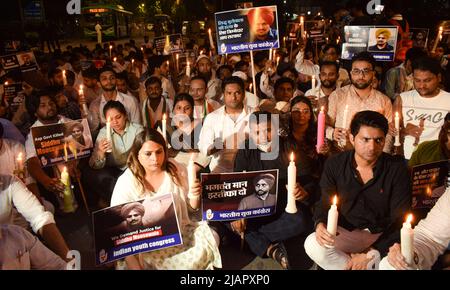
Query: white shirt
415, 107
130, 103
219, 125
14, 193
8, 154
432, 234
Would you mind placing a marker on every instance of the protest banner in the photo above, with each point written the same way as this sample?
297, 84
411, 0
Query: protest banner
293, 30
61, 142
27, 61
419, 37
429, 183
9, 62
13, 96
231, 196
136, 227
380, 41
244, 30
168, 44
315, 30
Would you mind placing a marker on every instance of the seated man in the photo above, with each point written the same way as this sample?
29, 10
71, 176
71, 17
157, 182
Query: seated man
374, 193
431, 238
265, 235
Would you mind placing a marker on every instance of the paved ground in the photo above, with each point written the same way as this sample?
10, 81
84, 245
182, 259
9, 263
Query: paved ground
77, 230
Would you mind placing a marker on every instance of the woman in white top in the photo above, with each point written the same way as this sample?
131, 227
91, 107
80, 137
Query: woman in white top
151, 173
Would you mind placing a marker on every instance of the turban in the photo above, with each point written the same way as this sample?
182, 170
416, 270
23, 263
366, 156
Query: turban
268, 178
383, 31
264, 12
137, 206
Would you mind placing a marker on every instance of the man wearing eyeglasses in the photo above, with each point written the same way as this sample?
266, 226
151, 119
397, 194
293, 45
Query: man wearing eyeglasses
345, 102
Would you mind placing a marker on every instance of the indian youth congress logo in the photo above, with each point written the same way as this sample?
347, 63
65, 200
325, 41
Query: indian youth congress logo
73, 7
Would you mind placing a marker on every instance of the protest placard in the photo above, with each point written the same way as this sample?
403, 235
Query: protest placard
136, 227
419, 36
247, 29
380, 41
231, 196
61, 142
169, 44
13, 96
429, 183
9, 62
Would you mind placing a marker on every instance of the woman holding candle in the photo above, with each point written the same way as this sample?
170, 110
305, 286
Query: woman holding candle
151, 173
105, 167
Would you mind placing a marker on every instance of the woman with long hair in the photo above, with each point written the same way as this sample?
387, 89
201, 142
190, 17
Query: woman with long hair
151, 173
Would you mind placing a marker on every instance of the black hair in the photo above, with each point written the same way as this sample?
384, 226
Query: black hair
260, 116
370, 119
415, 53
90, 73
427, 64
105, 69
331, 45
183, 97
233, 80
364, 56
114, 105
330, 63
153, 80
154, 62
199, 78
240, 64
122, 75
311, 132
283, 80
32, 102
222, 67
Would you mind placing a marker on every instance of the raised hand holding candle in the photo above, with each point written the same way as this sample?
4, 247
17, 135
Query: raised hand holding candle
320, 129
64, 78
333, 217
108, 134
291, 207
68, 196
407, 240
397, 128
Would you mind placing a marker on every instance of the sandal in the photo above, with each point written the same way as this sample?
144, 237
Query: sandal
278, 253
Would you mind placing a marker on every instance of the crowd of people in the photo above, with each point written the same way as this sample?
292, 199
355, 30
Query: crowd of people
216, 114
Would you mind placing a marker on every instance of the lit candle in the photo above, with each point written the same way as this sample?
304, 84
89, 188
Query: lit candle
115, 59
132, 63
438, 37
397, 128
188, 69
313, 83
164, 121
407, 240
270, 54
333, 217
211, 42
291, 207
82, 101
191, 174
19, 166
64, 78
250, 87
320, 129
65, 152
6, 83
278, 60
142, 49
338, 39
177, 57
302, 27
110, 51
68, 197
108, 134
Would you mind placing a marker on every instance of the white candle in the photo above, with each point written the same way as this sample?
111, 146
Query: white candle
191, 174
291, 207
64, 78
188, 69
176, 57
68, 197
302, 27
278, 60
270, 54
211, 42
108, 134
407, 240
110, 51
313, 83
20, 162
333, 217
397, 128
164, 121
82, 101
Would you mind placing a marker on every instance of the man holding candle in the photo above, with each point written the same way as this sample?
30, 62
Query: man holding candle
202, 105
373, 190
431, 239
155, 105
357, 97
427, 102
328, 78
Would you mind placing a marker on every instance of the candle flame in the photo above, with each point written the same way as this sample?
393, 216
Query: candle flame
64, 72
108, 120
409, 218
322, 108
335, 200
441, 28
164, 117
64, 169
142, 48
19, 156
292, 156
188, 63
177, 56
110, 47
396, 114
132, 60
6, 83
115, 59
209, 30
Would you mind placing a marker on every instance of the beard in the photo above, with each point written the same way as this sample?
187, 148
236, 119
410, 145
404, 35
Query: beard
362, 86
207, 76
109, 89
261, 192
328, 84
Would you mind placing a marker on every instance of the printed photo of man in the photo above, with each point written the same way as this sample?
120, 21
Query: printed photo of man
260, 21
262, 196
382, 36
